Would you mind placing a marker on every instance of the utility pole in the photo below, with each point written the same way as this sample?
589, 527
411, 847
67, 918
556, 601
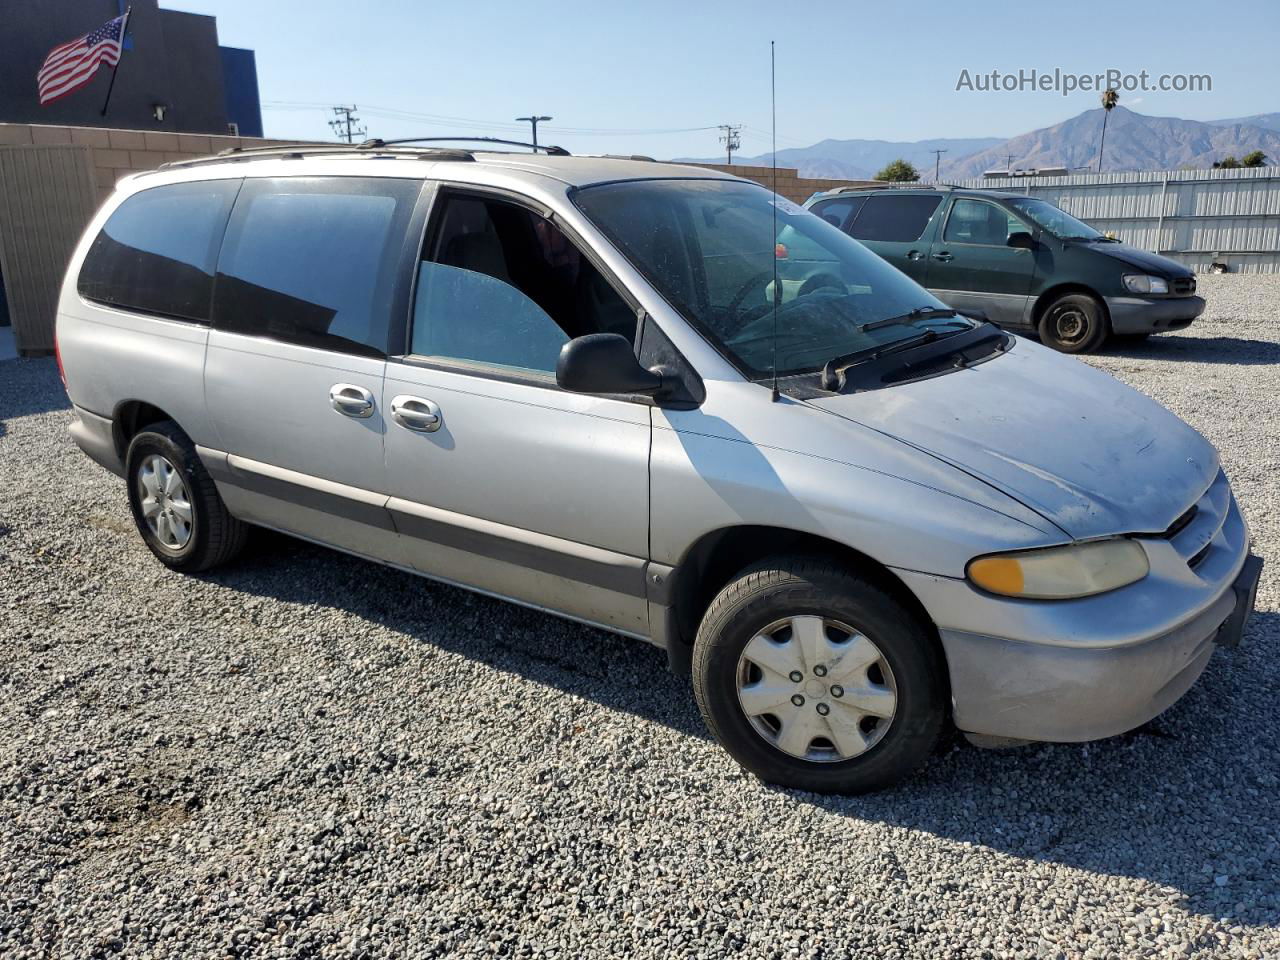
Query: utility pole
1008, 164
937, 163
344, 124
731, 138
535, 120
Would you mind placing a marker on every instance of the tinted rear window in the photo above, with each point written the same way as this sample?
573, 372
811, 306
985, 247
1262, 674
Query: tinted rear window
156, 253
894, 219
314, 261
838, 212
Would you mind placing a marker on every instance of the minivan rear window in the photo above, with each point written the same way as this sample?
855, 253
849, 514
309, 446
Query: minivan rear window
893, 219
156, 253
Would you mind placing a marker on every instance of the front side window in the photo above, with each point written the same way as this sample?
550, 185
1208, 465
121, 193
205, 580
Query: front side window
156, 253
313, 261
501, 286
1057, 221
977, 221
711, 248
891, 219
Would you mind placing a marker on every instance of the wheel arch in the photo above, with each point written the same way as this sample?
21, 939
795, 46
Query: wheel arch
128, 418
1061, 289
717, 556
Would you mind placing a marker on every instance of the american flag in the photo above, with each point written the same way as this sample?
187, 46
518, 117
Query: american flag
69, 67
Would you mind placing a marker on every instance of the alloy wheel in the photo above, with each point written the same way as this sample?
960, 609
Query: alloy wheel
165, 502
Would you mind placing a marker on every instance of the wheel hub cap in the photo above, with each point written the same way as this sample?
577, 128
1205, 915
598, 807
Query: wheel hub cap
165, 503
843, 703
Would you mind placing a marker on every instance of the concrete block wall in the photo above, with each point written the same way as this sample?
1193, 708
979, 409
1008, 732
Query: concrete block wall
790, 184
118, 153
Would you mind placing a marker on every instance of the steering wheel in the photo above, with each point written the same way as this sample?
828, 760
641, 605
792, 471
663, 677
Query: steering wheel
736, 303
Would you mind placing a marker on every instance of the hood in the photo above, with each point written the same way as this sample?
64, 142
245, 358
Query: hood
1086, 452
1144, 260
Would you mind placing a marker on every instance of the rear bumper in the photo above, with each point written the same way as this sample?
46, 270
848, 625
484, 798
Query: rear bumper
1139, 315
93, 434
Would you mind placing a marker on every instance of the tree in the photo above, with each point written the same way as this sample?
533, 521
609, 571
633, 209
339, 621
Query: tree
1227, 163
1255, 159
899, 171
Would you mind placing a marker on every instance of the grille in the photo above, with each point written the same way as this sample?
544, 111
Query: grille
1184, 286
1180, 524
1193, 533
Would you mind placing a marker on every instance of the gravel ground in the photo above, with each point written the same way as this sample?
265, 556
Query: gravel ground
310, 756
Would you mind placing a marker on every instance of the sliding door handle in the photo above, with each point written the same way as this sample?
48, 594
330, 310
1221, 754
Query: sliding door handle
351, 401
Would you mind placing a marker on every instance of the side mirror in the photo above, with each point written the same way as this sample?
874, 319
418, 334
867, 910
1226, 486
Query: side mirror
604, 363
1022, 240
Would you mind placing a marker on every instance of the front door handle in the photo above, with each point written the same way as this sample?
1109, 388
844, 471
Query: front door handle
415, 413
943, 256
351, 401
914, 255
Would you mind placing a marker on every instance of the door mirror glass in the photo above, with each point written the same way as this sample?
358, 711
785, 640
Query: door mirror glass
1021, 240
604, 363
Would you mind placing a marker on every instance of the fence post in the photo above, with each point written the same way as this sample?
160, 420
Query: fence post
1164, 189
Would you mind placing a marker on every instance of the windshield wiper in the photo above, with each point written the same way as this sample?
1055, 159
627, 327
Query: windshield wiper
833, 368
919, 313
833, 371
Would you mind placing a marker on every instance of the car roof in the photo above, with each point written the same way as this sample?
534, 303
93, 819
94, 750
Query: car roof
925, 191
574, 171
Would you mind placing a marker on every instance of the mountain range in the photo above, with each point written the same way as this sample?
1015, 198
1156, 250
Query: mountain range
1134, 141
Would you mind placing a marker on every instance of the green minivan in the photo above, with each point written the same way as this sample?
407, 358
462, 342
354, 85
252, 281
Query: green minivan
1020, 260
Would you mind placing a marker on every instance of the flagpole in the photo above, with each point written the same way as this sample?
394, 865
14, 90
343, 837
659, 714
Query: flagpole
124, 32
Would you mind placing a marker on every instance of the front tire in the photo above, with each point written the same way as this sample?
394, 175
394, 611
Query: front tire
1074, 323
175, 504
816, 678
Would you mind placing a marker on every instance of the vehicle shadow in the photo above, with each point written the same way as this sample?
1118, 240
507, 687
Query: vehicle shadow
1134, 806
1170, 347
30, 387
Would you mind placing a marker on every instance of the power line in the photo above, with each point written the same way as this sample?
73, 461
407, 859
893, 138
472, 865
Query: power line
731, 137
343, 124
534, 119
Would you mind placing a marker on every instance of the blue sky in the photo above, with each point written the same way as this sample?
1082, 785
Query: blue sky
625, 70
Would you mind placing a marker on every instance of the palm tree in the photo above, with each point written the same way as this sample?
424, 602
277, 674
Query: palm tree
1109, 100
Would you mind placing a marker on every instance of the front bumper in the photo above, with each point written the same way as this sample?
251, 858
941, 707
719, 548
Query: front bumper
1073, 670
1143, 315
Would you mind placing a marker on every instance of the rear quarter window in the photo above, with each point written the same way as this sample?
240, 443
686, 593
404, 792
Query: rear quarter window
157, 252
893, 219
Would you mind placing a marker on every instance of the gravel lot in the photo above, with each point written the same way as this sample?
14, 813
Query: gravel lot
307, 755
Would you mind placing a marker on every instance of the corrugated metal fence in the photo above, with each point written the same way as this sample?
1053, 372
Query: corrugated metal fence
1198, 217
46, 197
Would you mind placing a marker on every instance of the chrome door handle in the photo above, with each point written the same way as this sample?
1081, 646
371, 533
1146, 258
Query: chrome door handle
943, 256
415, 413
351, 401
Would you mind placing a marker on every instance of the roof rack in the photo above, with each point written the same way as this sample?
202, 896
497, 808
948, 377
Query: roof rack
551, 151
301, 151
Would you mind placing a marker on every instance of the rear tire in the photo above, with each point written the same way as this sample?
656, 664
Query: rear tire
176, 506
858, 653
1074, 323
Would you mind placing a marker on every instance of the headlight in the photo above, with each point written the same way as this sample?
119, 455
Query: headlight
1059, 573
1140, 283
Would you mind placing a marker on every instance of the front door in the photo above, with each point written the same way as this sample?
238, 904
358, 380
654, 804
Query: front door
498, 479
312, 274
973, 267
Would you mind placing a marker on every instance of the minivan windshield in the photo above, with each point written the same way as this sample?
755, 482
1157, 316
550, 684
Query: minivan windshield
1057, 221
710, 247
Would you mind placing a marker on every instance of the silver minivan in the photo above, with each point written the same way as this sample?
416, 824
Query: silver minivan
579, 383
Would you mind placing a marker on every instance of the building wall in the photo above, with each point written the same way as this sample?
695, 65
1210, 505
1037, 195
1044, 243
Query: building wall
240, 77
174, 60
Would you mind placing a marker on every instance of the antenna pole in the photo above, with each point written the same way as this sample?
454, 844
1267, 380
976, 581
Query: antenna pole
773, 109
